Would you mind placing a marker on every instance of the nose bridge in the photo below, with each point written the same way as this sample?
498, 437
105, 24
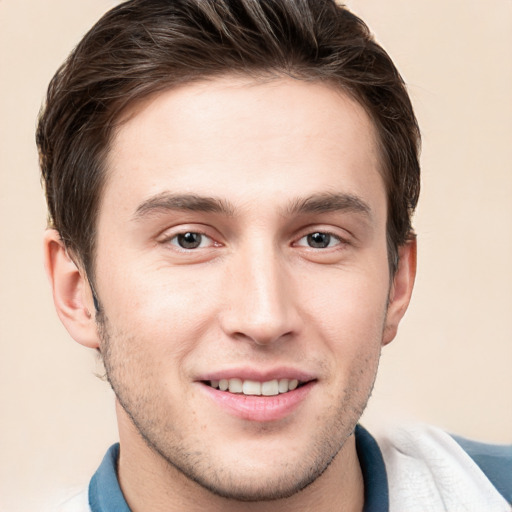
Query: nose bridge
260, 304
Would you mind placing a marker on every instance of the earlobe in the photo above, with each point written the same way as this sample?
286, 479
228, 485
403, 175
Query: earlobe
401, 289
71, 291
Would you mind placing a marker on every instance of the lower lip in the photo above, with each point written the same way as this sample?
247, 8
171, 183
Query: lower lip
260, 408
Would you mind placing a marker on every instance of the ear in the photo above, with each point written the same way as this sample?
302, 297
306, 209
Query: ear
401, 289
71, 291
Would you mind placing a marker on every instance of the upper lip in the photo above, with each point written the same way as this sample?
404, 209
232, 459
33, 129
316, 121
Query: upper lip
258, 375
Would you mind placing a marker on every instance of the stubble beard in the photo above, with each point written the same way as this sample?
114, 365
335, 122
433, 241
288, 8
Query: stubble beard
168, 443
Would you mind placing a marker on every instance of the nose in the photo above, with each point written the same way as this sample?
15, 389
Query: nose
260, 303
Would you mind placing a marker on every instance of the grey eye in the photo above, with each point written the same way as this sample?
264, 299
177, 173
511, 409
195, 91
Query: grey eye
319, 240
189, 240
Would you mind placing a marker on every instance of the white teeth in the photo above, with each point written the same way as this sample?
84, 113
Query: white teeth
235, 386
283, 385
252, 387
270, 388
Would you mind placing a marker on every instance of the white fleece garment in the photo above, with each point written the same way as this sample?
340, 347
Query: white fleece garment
429, 472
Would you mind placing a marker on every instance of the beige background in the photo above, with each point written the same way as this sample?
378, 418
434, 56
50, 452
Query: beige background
450, 364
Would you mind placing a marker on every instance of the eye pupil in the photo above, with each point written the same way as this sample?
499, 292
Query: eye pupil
319, 240
189, 240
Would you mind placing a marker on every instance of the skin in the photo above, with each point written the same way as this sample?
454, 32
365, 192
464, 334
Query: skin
254, 296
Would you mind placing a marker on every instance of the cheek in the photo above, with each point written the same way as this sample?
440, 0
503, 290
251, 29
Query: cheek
352, 306
158, 310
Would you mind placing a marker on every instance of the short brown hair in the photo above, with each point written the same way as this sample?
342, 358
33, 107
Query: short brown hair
144, 46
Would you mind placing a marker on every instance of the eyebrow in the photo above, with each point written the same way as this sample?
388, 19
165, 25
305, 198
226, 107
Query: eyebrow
317, 203
329, 202
166, 201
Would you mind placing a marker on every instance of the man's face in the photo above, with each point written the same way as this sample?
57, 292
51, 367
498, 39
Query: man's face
242, 242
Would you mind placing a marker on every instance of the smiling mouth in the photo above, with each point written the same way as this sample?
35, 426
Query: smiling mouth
254, 388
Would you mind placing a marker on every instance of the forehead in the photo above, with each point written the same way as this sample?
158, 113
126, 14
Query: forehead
246, 141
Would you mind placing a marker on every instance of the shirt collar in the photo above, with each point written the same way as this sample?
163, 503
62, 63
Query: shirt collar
105, 495
376, 494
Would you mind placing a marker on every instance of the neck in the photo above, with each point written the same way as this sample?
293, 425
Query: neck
149, 482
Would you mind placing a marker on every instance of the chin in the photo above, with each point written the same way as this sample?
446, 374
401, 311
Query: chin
246, 476
266, 489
